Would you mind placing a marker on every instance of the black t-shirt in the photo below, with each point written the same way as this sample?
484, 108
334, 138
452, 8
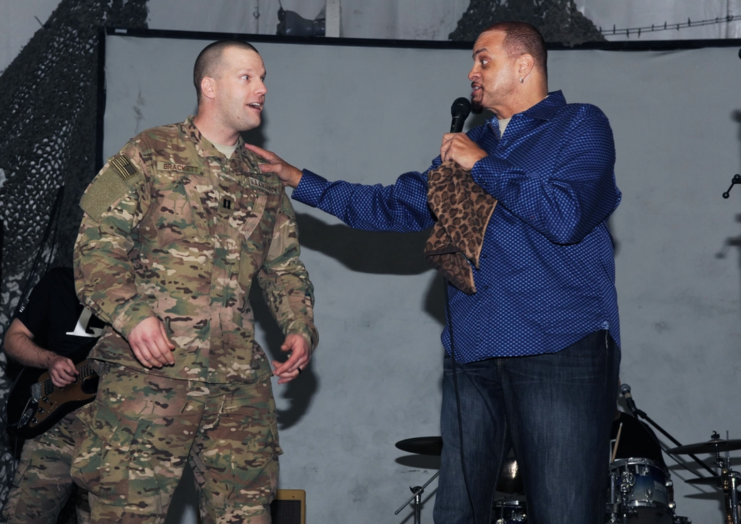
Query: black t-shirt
56, 318
636, 440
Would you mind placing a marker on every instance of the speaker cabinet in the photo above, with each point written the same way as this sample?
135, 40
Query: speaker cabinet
289, 507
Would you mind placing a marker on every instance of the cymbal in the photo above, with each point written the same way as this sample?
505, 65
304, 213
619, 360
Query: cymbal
710, 481
510, 479
422, 445
715, 480
707, 447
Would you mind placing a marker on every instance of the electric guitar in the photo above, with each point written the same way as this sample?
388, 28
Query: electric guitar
35, 404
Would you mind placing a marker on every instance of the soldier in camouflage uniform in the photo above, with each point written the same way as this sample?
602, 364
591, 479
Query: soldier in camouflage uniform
173, 233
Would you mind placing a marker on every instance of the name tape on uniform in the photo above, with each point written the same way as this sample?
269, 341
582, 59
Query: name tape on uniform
262, 185
171, 166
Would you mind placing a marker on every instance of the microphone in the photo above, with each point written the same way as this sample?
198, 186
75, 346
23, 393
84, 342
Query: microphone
625, 392
460, 110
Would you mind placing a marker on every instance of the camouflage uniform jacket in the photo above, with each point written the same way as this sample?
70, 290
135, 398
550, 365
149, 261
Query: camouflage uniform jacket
174, 229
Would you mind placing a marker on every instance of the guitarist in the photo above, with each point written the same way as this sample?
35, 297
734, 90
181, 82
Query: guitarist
52, 332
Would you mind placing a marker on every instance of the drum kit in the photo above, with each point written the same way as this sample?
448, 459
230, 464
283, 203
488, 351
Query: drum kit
639, 490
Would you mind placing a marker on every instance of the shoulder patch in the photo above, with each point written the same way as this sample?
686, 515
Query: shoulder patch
123, 167
117, 179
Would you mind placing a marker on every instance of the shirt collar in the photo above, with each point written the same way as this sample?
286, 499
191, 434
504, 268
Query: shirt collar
546, 109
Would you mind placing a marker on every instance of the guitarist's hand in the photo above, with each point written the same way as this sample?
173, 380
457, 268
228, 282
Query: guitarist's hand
61, 370
149, 342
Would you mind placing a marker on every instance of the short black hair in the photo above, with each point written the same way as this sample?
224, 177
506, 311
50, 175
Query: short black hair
522, 38
209, 59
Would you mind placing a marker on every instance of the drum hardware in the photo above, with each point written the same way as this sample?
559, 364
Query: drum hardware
638, 492
509, 511
431, 446
728, 480
639, 414
416, 500
735, 180
658, 498
509, 482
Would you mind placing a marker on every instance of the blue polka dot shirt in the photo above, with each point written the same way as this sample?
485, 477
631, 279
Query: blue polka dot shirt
547, 275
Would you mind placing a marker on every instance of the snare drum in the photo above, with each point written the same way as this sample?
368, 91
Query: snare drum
509, 512
638, 487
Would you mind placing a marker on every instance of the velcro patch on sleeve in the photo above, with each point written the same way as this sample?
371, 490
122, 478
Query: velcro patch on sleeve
109, 187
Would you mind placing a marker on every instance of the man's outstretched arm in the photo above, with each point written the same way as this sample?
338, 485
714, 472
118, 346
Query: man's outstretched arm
400, 207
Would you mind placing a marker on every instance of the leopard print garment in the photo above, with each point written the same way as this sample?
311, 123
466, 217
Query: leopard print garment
462, 211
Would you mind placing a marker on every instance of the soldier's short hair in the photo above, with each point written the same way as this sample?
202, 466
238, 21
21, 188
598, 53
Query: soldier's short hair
210, 58
522, 38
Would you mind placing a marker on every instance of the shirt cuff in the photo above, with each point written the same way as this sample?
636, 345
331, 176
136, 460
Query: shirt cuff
130, 317
487, 168
310, 189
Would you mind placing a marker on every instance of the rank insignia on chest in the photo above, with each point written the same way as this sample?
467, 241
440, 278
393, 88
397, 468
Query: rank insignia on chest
258, 184
227, 204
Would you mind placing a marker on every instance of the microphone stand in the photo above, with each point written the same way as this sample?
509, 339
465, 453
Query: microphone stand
417, 498
639, 413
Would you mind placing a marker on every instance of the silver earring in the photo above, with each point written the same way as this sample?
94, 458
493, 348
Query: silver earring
522, 80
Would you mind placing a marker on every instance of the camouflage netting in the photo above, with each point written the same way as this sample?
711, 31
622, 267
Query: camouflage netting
48, 103
558, 20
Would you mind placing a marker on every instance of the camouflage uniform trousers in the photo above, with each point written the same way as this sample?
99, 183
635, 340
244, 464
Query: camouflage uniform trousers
142, 428
42, 483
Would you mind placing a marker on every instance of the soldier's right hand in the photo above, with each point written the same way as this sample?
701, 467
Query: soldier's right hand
149, 342
61, 370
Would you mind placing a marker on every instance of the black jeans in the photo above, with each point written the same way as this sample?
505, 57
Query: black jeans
555, 409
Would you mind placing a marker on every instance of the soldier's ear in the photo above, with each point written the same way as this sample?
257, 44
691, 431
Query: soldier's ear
208, 87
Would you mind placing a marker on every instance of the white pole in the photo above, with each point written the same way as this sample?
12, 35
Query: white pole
332, 13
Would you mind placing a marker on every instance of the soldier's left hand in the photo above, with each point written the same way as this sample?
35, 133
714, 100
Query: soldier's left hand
458, 147
300, 353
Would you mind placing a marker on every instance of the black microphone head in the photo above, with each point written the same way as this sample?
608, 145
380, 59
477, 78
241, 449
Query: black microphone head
624, 388
461, 108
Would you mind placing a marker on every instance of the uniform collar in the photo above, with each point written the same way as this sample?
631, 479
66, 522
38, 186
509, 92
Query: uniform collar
203, 145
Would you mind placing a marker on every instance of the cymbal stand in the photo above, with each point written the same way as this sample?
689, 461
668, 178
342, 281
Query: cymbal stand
641, 414
729, 481
416, 500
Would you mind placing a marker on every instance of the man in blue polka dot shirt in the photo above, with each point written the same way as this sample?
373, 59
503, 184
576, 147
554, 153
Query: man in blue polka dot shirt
537, 346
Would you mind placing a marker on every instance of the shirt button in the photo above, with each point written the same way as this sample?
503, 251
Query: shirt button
486, 288
484, 255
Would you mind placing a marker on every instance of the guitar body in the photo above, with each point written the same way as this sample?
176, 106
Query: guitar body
35, 404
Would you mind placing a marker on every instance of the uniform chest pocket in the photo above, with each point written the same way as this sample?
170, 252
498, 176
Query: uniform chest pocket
256, 214
178, 212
